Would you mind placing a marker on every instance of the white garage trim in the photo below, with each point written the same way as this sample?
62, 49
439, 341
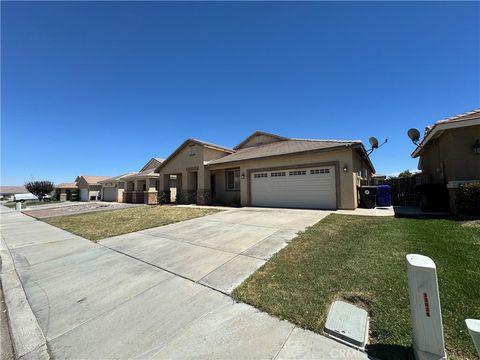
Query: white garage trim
314, 186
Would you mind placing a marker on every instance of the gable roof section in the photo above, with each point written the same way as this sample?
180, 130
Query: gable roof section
470, 118
291, 146
259, 133
91, 180
116, 178
71, 185
194, 141
152, 164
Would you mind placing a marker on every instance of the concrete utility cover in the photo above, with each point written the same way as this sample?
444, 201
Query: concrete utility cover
348, 323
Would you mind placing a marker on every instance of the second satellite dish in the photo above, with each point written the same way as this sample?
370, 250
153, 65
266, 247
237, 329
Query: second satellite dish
373, 142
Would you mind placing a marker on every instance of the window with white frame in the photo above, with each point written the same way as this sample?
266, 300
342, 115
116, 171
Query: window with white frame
232, 179
260, 175
278, 173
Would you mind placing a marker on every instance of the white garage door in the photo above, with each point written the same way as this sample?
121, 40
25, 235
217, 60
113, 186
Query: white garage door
297, 188
83, 194
109, 194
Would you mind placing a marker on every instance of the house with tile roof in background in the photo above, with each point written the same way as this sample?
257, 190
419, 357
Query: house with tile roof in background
135, 187
89, 187
449, 153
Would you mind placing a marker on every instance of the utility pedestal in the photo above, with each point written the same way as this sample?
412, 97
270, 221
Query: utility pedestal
427, 336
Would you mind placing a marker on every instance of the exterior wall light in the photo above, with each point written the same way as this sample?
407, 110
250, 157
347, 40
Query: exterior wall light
476, 147
345, 168
243, 176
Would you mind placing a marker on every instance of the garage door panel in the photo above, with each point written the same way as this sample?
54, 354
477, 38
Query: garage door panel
109, 194
302, 188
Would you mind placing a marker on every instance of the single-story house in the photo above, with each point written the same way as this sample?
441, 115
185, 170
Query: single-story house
112, 188
64, 191
269, 170
449, 153
134, 187
89, 187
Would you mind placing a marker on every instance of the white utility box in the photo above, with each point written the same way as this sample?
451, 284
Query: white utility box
427, 337
473, 326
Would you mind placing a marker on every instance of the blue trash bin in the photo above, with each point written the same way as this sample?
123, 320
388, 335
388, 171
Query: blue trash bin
384, 195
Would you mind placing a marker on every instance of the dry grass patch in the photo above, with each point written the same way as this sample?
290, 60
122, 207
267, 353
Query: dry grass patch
101, 225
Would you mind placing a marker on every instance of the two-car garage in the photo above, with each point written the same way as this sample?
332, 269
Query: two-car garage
312, 187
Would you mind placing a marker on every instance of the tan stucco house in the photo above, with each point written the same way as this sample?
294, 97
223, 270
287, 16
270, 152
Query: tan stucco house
134, 187
449, 153
269, 170
89, 187
64, 191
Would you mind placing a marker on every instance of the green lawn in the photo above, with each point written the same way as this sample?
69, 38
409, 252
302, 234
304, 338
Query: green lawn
100, 225
362, 259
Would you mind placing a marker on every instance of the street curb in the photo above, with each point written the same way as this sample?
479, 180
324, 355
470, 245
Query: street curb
27, 337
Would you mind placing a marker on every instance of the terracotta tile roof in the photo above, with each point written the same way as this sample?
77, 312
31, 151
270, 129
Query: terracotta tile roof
282, 148
13, 190
92, 180
71, 185
462, 117
142, 175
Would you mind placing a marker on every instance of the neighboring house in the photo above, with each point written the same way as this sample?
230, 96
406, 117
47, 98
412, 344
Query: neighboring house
89, 187
113, 188
269, 170
450, 152
134, 187
7, 192
64, 191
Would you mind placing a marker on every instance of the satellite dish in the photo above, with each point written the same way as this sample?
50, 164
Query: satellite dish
414, 135
374, 142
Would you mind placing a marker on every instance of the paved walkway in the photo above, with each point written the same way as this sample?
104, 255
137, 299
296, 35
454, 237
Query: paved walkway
95, 302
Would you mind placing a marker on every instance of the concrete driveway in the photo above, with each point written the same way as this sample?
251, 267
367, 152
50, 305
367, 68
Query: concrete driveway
150, 301
220, 250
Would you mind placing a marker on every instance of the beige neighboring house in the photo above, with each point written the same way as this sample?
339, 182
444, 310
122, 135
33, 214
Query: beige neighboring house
89, 187
269, 170
134, 187
449, 153
64, 190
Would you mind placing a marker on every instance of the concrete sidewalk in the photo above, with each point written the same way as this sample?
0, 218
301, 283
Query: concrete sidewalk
93, 302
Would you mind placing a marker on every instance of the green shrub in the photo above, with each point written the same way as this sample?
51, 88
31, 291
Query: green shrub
468, 199
163, 197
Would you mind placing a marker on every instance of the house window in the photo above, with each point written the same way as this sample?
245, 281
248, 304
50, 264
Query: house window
260, 175
233, 179
297, 172
319, 171
192, 150
280, 173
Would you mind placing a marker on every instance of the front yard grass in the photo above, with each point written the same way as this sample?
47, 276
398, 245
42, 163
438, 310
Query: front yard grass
100, 225
362, 260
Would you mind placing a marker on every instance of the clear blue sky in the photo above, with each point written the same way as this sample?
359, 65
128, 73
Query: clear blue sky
99, 88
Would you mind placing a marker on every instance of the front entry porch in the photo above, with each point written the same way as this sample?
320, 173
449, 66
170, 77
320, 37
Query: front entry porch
141, 191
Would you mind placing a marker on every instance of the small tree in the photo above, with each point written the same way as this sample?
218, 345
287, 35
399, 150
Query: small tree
39, 188
405, 174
